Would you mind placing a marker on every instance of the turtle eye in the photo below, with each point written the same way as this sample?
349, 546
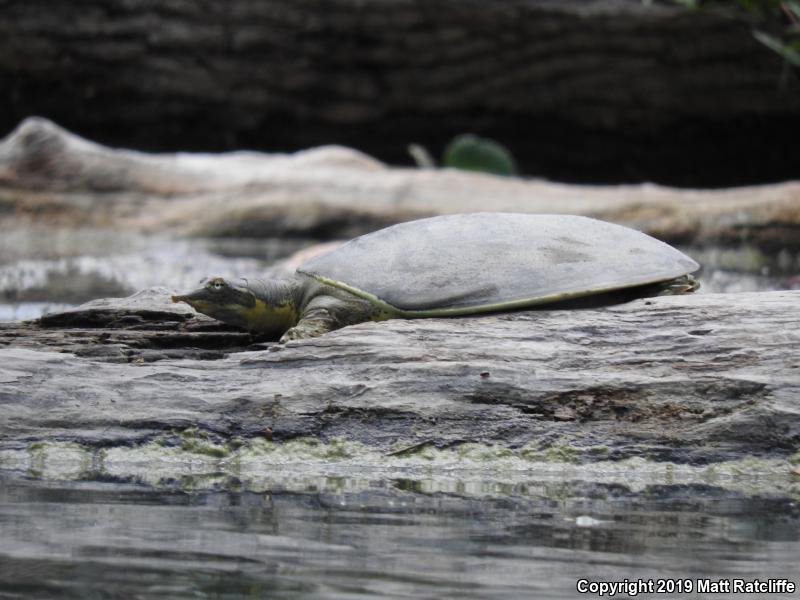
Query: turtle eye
218, 285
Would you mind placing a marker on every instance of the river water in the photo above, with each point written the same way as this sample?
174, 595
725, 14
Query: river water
392, 538
356, 533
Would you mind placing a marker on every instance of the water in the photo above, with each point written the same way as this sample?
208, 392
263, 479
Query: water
387, 539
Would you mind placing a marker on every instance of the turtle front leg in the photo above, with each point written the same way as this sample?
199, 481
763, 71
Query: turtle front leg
327, 313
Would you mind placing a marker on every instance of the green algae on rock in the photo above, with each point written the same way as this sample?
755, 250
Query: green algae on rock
468, 469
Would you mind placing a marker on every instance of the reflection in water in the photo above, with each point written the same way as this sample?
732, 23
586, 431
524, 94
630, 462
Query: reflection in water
107, 540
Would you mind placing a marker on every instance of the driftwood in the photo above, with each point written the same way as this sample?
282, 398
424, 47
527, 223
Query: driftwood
697, 378
49, 175
593, 90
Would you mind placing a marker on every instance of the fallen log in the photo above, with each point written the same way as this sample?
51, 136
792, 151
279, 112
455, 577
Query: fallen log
49, 175
687, 379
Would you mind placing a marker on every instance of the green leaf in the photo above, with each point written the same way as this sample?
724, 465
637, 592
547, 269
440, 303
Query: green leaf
473, 153
794, 8
785, 50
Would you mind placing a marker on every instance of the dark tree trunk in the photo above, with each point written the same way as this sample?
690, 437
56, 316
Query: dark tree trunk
585, 91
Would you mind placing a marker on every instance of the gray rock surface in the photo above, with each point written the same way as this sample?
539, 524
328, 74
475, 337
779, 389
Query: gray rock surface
697, 378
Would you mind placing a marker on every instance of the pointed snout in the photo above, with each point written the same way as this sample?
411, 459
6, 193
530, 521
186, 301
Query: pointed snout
198, 295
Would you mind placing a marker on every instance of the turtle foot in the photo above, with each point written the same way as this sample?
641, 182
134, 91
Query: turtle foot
681, 285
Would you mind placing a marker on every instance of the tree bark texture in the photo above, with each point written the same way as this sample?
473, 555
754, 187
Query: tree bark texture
593, 91
697, 378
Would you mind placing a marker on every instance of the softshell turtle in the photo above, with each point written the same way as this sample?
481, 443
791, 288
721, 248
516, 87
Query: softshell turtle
450, 266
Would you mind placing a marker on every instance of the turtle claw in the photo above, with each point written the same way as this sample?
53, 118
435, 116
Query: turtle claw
290, 335
303, 331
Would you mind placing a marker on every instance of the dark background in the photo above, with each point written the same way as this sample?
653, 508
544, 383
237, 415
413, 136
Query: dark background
583, 91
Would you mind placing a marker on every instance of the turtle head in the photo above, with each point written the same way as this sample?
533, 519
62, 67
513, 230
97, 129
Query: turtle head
221, 299
259, 307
